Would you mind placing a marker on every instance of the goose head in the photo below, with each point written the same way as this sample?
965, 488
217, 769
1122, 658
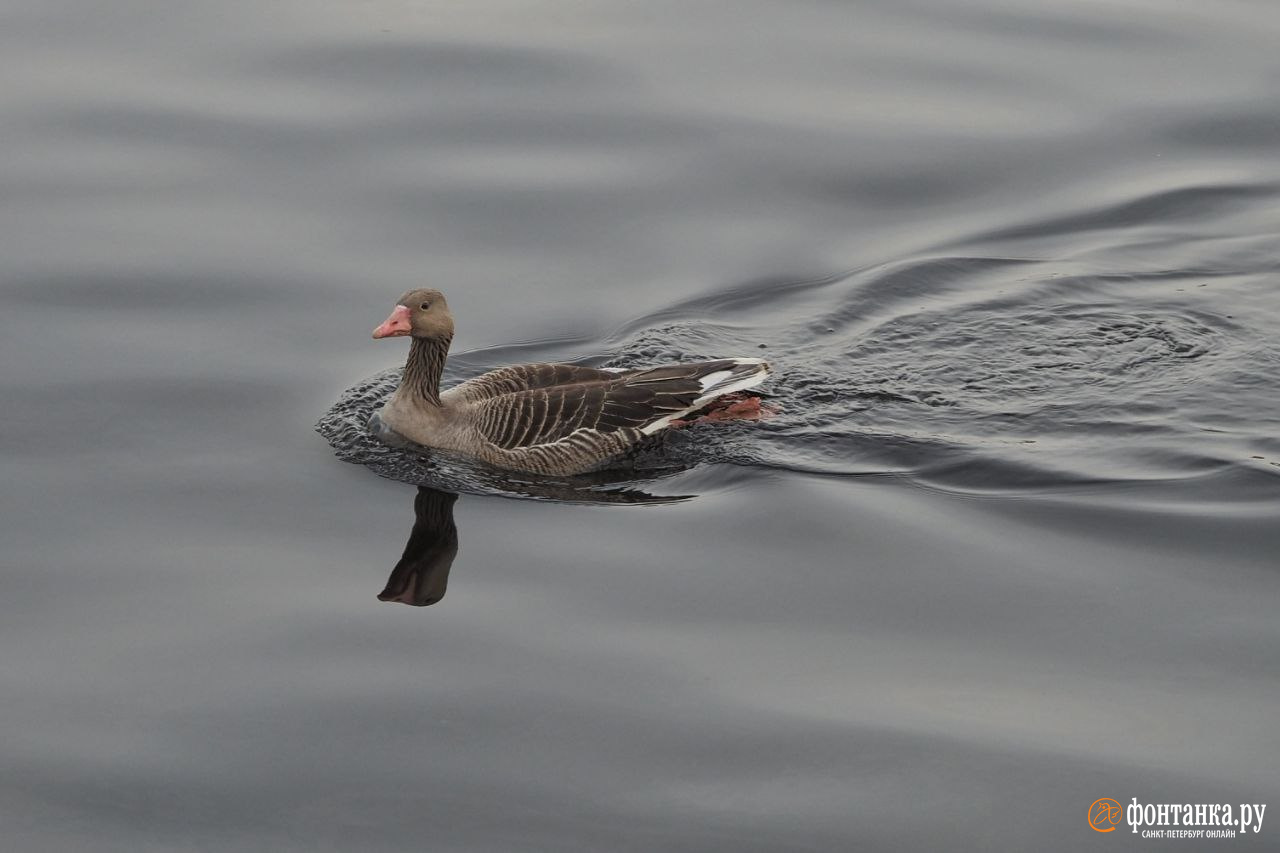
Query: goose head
419, 313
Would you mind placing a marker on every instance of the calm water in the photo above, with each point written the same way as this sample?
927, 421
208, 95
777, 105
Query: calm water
1010, 545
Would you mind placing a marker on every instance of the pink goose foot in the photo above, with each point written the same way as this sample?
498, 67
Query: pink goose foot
737, 406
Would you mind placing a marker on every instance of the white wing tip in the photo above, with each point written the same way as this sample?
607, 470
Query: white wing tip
711, 380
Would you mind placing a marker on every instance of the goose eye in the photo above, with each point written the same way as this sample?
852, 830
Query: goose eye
424, 306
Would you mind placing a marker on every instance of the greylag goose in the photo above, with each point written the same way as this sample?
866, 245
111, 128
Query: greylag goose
556, 419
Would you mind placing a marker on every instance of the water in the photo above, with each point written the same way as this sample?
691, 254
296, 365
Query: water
1008, 547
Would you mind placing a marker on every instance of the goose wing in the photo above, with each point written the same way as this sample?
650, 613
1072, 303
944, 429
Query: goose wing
638, 402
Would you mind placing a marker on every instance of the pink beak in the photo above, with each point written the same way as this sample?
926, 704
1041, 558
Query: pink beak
395, 325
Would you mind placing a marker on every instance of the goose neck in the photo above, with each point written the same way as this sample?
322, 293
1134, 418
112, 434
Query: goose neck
422, 371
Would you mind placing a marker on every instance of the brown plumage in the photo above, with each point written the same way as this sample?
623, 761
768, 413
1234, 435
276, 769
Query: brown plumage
541, 418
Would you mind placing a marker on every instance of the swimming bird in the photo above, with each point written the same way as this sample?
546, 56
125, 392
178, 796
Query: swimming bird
556, 419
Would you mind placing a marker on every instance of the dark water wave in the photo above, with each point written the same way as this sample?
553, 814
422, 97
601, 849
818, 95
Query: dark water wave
1118, 358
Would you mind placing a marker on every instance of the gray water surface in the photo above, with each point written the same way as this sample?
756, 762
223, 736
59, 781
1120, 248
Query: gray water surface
1009, 545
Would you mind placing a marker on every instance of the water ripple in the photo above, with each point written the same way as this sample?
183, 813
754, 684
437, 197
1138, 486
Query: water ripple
966, 371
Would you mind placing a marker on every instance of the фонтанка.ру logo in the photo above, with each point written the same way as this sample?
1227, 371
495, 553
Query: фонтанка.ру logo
1221, 819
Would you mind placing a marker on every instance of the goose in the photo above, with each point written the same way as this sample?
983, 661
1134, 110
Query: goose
552, 419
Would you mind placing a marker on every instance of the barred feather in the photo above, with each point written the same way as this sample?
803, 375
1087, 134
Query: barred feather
644, 401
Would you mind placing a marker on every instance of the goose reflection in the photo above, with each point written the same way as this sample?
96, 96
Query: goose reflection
422, 574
